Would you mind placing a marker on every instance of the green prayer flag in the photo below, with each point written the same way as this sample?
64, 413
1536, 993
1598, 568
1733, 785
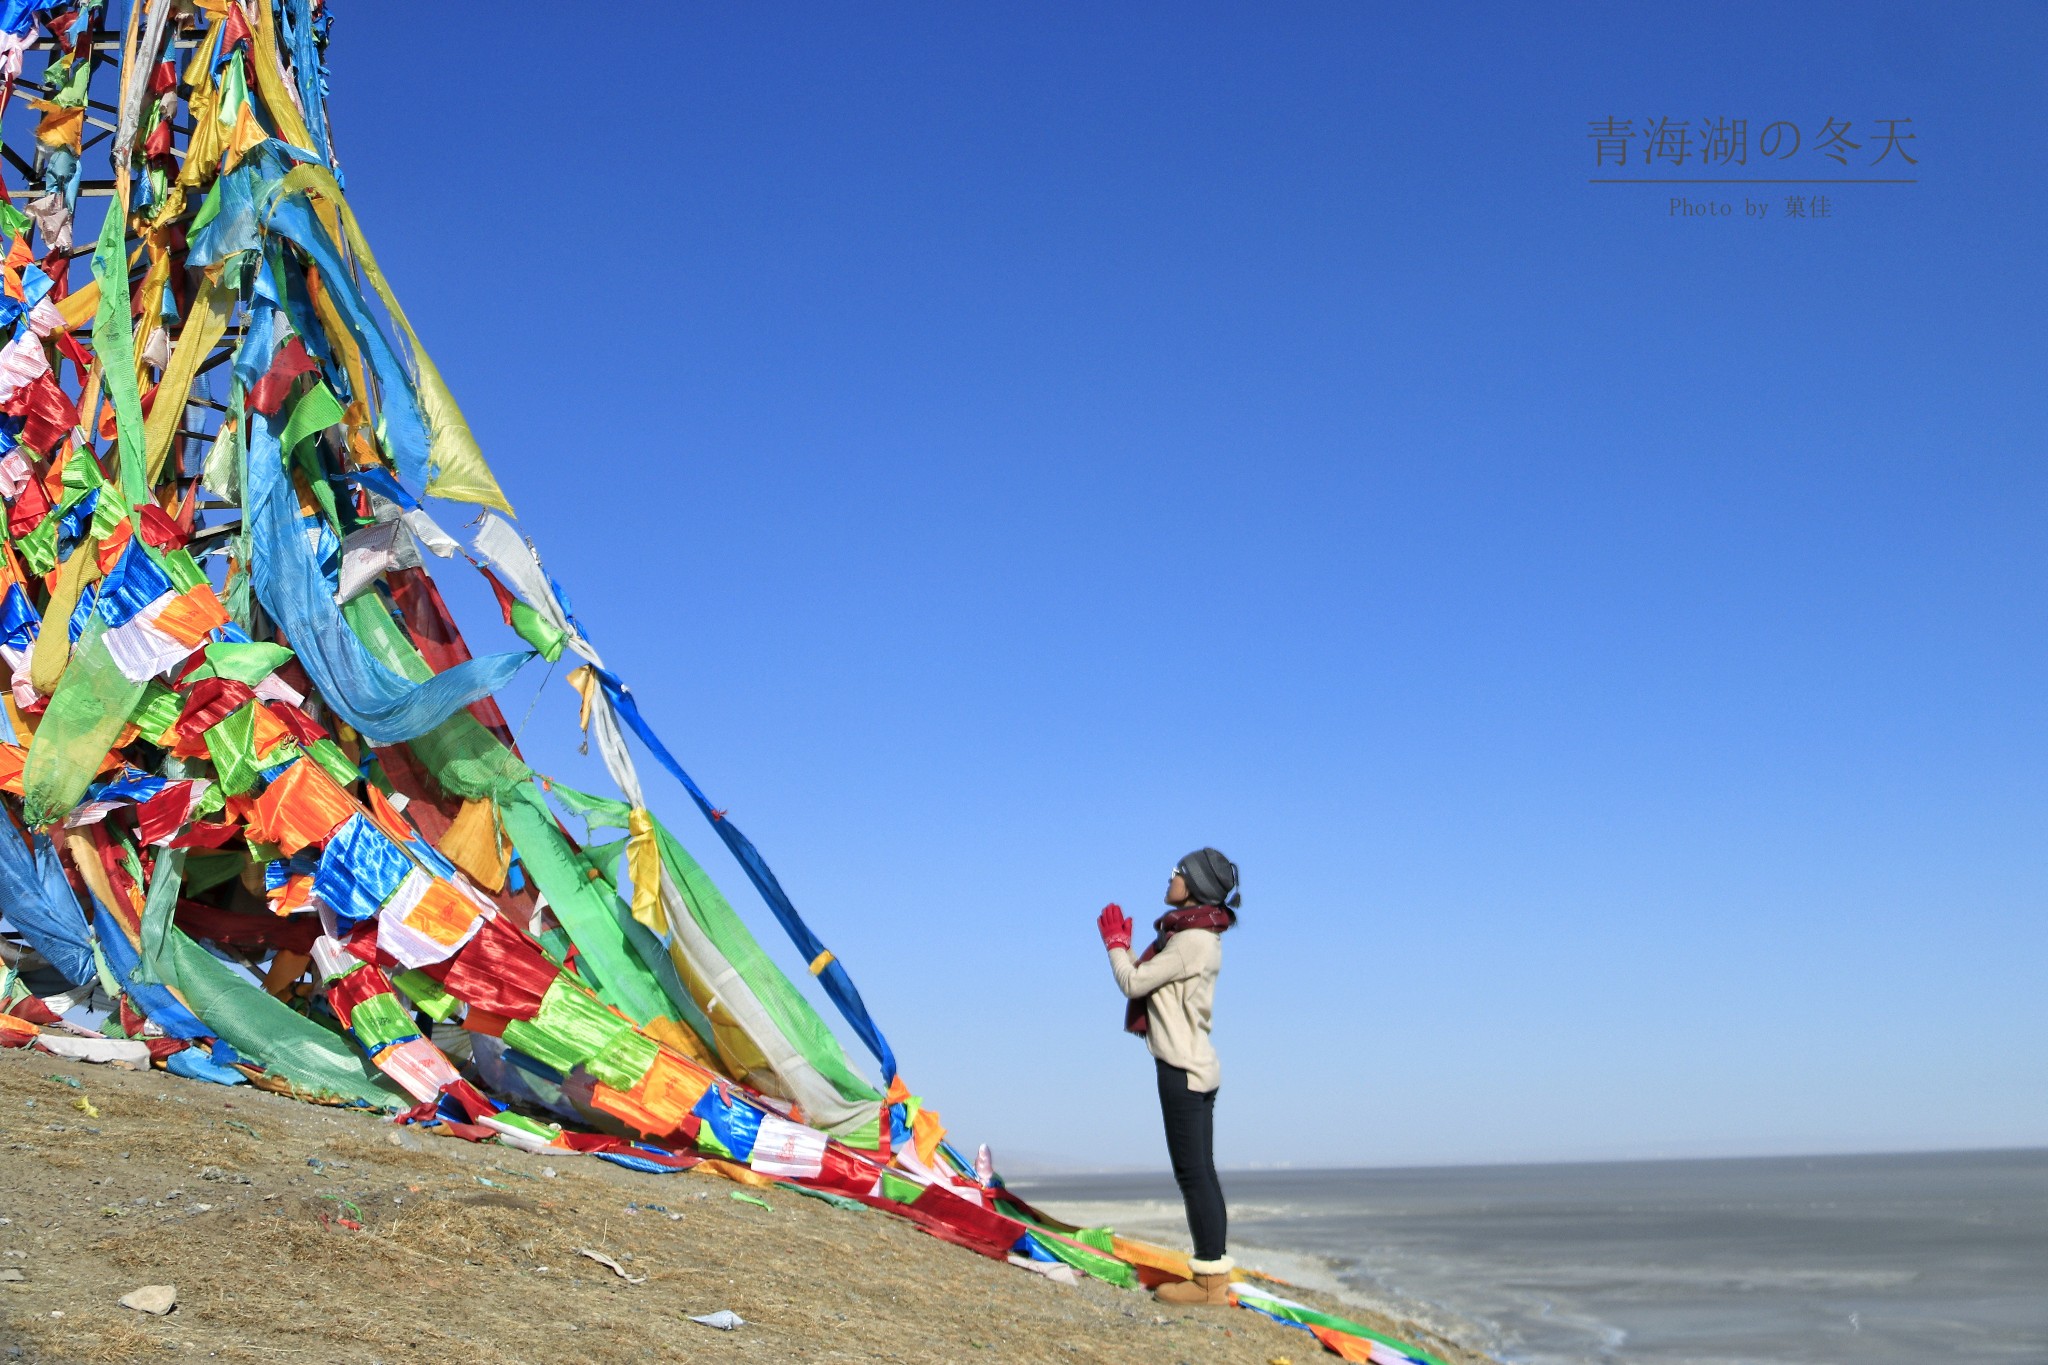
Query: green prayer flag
158, 711
115, 343
39, 547
328, 755
232, 743
580, 1021
183, 571
543, 1046
380, 1021
205, 870
427, 994
247, 663
543, 634
81, 475
623, 1062
108, 512
316, 410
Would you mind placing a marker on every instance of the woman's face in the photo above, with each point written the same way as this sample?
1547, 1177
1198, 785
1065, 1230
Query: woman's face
1177, 890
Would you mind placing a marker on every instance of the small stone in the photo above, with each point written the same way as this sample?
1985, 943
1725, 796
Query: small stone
11, 1276
156, 1299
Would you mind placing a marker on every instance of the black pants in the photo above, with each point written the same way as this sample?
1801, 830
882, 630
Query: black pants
1191, 1142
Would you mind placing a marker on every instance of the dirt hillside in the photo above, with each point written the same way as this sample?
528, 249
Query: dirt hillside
295, 1233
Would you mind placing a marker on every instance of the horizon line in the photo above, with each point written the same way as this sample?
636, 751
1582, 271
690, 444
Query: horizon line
1560, 1161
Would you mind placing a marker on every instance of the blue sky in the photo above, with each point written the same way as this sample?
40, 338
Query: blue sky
1008, 448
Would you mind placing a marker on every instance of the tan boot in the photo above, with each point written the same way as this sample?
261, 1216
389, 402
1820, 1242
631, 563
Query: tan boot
1209, 1289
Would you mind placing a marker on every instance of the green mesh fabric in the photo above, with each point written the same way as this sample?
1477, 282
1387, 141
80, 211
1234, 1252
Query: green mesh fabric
157, 912
468, 761
84, 718
265, 1030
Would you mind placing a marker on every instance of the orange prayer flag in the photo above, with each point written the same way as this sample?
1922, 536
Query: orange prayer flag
192, 615
270, 731
1346, 1346
624, 1106
303, 806
443, 914
60, 127
110, 549
388, 817
926, 1132
672, 1087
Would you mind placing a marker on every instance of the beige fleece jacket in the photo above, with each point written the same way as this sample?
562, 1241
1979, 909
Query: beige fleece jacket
1181, 985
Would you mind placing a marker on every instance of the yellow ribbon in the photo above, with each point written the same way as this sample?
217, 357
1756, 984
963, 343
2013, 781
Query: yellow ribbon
643, 860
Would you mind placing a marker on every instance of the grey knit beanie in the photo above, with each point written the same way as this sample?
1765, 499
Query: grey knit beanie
1211, 878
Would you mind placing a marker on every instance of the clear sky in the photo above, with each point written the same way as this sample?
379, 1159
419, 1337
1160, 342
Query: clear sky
1007, 447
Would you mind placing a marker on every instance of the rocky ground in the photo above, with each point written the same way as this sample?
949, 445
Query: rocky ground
296, 1233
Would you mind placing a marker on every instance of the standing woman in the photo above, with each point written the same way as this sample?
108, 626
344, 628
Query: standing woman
1171, 990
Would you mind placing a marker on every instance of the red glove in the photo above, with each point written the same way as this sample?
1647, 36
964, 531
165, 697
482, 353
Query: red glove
1114, 926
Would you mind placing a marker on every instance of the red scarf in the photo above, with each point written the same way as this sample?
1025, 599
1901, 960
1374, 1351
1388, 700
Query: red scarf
1212, 917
